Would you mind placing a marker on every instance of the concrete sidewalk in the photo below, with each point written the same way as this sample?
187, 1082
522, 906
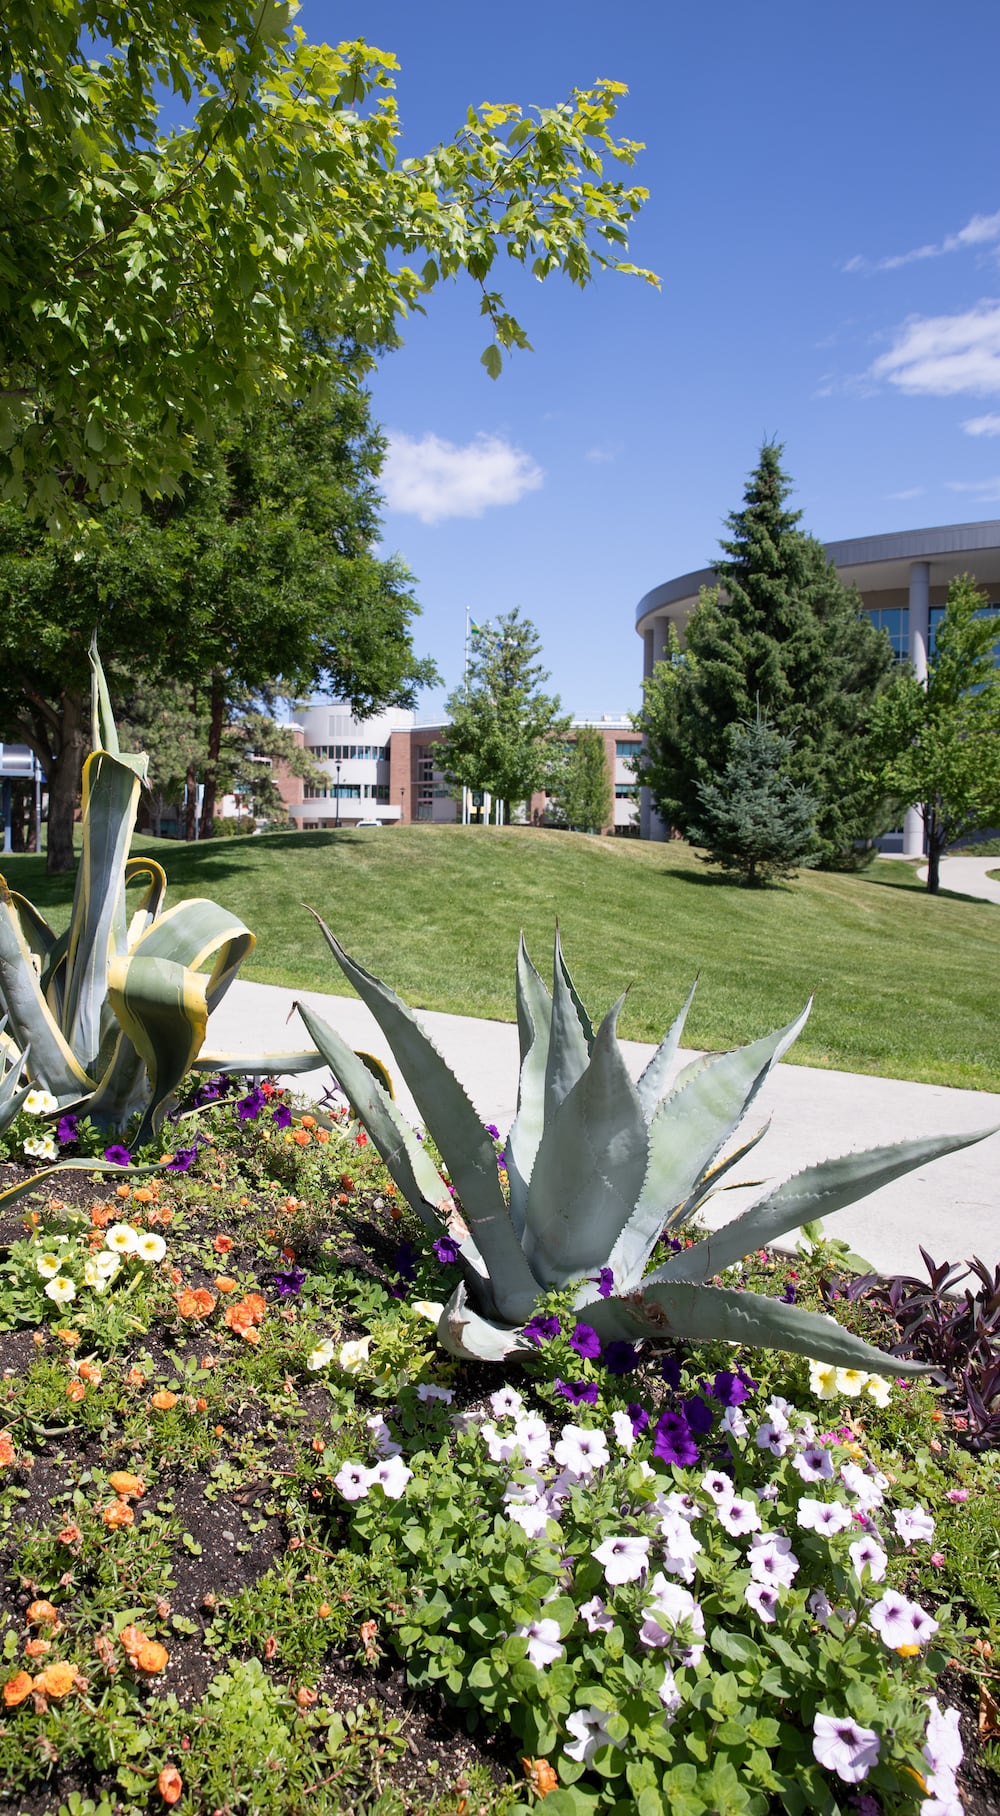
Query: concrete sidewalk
952, 1206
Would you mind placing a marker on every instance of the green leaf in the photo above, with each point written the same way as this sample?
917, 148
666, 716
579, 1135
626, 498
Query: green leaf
492, 359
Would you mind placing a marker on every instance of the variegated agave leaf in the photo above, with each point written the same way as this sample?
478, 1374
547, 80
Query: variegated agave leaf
12, 1068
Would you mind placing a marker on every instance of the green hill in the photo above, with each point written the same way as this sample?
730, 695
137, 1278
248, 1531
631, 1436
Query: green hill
905, 984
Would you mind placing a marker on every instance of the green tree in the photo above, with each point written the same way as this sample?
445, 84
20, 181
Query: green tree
157, 280
580, 791
782, 634
504, 733
755, 821
259, 574
940, 745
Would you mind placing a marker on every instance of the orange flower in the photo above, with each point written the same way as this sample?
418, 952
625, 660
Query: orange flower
342, 1198
90, 1371
152, 1657
222, 1244
170, 1784
219, 1431
35, 1648
166, 1216
143, 1195
70, 1337
306, 1697
196, 1303
163, 1400
123, 1191
322, 1135
347, 1182
125, 1483
175, 1275
7, 1451
42, 1614
118, 1513
201, 1404
16, 1689
69, 1535
75, 1391
250, 1334
135, 1378
101, 1215
246, 1313
290, 1205
319, 1445
132, 1638
224, 1283
301, 1138
308, 1122
540, 1776
56, 1680
243, 1202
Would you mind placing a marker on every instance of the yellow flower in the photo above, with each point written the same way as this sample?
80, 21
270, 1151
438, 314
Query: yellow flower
850, 1381
823, 1380
878, 1387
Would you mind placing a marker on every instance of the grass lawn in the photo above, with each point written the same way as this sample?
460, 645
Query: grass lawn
906, 984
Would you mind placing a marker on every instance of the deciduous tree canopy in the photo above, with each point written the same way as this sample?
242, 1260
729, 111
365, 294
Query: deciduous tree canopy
504, 733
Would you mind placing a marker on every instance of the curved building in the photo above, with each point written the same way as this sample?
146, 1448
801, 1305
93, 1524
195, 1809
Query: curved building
903, 579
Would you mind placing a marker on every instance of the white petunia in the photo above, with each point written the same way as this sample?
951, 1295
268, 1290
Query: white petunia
122, 1238
774, 1436
582, 1450
322, 1355
590, 1729
40, 1147
913, 1524
845, 1748
828, 1517
738, 1515
772, 1559
867, 1554
107, 1263
427, 1391
543, 1642
867, 1489
900, 1622
763, 1598
719, 1486
672, 1607
61, 1290
40, 1103
382, 1438
680, 1547
623, 1429
532, 1516
353, 1480
501, 1448
506, 1403
595, 1614
427, 1308
624, 1559
669, 1694
392, 1475
150, 1247
353, 1356
532, 1437
48, 1265
814, 1464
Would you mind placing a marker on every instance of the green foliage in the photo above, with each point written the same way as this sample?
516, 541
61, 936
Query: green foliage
580, 795
157, 281
504, 730
939, 745
599, 1170
755, 821
781, 634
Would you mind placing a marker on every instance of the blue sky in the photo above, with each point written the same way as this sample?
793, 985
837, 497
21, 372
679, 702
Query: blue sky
824, 215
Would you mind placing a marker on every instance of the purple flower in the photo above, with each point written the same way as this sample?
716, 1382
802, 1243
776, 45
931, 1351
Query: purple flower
405, 1260
673, 1441
289, 1283
541, 1329
282, 1116
621, 1358
586, 1342
670, 1369
604, 1282
845, 1748
207, 1093
182, 1160
638, 1415
66, 1128
698, 1415
578, 1392
788, 1296
446, 1250
249, 1107
728, 1389
491, 1129
120, 1157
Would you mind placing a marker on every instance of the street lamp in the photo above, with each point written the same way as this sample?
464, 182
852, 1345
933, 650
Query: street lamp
337, 820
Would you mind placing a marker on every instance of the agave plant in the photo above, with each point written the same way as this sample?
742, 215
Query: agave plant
109, 1016
12, 1071
600, 1169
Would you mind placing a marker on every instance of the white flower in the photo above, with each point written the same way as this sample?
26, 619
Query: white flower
677, 1505
40, 1147
823, 1380
671, 1607
321, 1356
624, 1560
122, 1238
912, 1524
680, 1547
943, 1752
763, 1598
382, 1438
819, 1606
506, 1403
824, 1516
737, 1515
352, 1479
772, 1559
901, 1623
543, 1642
427, 1308
501, 1449
93, 1277
596, 1615
48, 1265
61, 1290
582, 1450
850, 1381
623, 1429
867, 1489
150, 1247
392, 1476
867, 1554
532, 1516
353, 1356
733, 1423
878, 1387
719, 1486
40, 1103
590, 1726
533, 1441
107, 1264
428, 1391
842, 1747
669, 1694
814, 1464
775, 1437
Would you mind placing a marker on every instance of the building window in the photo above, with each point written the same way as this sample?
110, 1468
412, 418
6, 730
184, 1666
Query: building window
623, 792
627, 747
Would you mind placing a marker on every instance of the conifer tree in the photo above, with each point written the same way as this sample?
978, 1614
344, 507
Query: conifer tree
580, 795
755, 821
780, 632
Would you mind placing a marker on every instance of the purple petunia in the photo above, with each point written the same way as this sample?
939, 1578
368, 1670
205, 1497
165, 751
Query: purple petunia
604, 1282
586, 1342
182, 1160
638, 1415
66, 1128
698, 1415
673, 1441
119, 1157
282, 1116
621, 1358
730, 1389
405, 1261
248, 1108
491, 1129
670, 1369
289, 1283
541, 1329
446, 1250
579, 1393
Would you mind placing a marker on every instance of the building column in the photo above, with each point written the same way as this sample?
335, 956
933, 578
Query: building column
919, 635
655, 644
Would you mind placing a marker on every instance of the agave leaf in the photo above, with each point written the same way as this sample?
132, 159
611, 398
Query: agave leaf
462, 1332
152, 901
461, 1139
53, 1062
688, 1130
104, 730
39, 936
818, 1191
13, 1192
406, 1158
192, 932
690, 1313
259, 1065
583, 1018
654, 1079
97, 924
707, 1184
122, 1088
54, 975
163, 1010
589, 1168
569, 1042
12, 1092
534, 1014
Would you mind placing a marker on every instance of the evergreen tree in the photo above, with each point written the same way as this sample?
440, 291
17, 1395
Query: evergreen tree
780, 632
504, 733
580, 793
755, 820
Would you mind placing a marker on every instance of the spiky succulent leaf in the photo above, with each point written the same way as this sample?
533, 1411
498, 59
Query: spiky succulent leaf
589, 1168
689, 1313
569, 1040
463, 1332
98, 932
685, 1135
259, 1065
162, 1008
462, 1141
655, 1078
54, 1065
709, 1180
151, 904
193, 932
818, 1191
582, 1016
12, 1092
534, 1015
406, 1158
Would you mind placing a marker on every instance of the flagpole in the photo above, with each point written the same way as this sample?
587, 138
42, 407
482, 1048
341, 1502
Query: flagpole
466, 814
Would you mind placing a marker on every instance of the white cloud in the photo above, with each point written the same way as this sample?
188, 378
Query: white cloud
982, 425
946, 355
602, 454
433, 479
982, 230
984, 491
910, 492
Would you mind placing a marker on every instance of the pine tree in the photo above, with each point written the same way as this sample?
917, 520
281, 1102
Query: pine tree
755, 820
780, 632
580, 794
505, 733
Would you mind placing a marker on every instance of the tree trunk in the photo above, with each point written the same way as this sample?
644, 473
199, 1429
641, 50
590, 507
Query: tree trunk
63, 769
934, 849
191, 805
215, 727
